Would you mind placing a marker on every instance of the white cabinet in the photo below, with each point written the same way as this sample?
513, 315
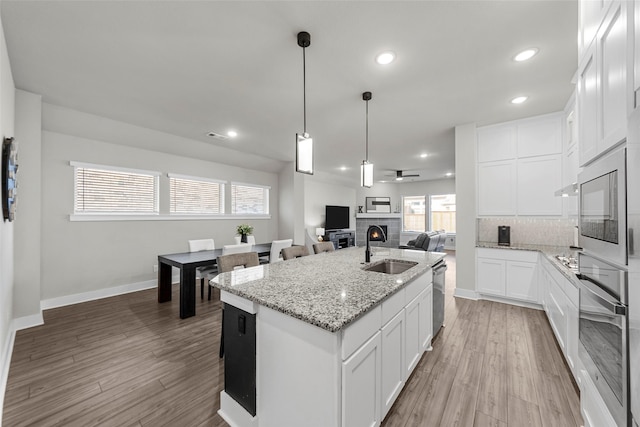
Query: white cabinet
413, 349
540, 136
612, 55
587, 103
603, 98
592, 407
491, 276
590, 14
426, 318
538, 178
507, 273
557, 303
361, 385
497, 188
393, 362
496, 143
522, 280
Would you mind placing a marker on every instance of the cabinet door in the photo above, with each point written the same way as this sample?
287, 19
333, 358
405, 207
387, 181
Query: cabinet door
590, 15
522, 281
496, 143
413, 346
538, 179
571, 352
587, 96
570, 168
361, 385
393, 374
496, 188
540, 136
491, 276
557, 317
426, 318
612, 57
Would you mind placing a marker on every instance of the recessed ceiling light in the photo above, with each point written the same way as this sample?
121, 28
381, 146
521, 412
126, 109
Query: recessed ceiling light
385, 58
519, 99
448, 174
343, 168
232, 134
526, 54
399, 178
423, 155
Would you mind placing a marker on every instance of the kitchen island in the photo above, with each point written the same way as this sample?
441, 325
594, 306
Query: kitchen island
333, 343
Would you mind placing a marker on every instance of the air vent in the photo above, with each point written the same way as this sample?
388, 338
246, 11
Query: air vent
217, 136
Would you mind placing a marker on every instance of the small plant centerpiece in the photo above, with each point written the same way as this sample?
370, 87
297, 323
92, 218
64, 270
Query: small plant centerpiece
244, 230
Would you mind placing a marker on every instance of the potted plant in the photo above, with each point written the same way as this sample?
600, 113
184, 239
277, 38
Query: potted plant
243, 230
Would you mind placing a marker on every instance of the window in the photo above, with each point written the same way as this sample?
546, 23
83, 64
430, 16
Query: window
111, 190
443, 212
195, 196
413, 213
249, 199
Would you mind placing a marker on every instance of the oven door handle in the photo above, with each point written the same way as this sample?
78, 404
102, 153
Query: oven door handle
590, 286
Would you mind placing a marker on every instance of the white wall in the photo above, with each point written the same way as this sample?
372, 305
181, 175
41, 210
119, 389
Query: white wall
466, 209
81, 257
7, 113
320, 191
26, 297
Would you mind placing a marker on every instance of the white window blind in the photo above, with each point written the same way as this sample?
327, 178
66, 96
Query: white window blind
413, 213
249, 199
103, 190
195, 196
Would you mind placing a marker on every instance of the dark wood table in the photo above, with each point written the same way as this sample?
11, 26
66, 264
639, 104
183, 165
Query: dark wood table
187, 262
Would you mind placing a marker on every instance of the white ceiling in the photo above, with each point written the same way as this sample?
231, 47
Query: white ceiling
189, 67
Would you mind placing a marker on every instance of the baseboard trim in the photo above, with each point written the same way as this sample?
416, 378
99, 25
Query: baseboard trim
28, 321
465, 293
97, 294
510, 301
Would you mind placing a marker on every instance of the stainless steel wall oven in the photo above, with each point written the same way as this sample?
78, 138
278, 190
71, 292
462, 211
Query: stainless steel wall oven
603, 330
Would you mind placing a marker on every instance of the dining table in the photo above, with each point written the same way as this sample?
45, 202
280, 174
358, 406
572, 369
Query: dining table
187, 262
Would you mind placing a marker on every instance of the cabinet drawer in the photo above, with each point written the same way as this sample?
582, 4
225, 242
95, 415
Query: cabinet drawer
508, 254
392, 306
360, 331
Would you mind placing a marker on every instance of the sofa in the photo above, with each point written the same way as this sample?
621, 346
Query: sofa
431, 241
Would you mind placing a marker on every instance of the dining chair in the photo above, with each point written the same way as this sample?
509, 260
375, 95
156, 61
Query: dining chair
250, 239
294, 252
206, 271
276, 247
237, 249
229, 263
321, 247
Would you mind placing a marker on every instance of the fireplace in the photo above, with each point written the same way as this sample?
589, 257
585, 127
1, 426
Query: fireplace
390, 226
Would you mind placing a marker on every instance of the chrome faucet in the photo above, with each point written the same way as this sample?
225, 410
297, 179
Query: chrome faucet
376, 229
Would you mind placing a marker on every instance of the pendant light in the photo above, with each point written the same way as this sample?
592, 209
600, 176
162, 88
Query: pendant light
304, 142
366, 169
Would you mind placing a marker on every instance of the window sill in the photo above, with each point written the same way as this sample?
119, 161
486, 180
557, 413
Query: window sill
86, 217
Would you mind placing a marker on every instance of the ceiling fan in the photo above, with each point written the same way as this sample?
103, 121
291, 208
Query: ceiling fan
400, 175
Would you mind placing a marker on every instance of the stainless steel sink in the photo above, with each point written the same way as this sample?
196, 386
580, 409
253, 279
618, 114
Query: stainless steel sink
390, 266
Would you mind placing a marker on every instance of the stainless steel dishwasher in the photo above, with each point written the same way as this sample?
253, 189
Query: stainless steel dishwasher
438, 295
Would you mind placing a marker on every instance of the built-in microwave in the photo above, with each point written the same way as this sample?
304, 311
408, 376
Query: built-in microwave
603, 207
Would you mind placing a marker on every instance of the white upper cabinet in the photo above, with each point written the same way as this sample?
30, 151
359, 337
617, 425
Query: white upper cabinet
590, 16
540, 136
497, 188
612, 54
538, 178
603, 97
496, 143
587, 97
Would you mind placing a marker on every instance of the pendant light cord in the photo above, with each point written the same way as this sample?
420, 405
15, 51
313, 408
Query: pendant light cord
304, 90
366, 154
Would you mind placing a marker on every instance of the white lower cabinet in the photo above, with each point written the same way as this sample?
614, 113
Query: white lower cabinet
395, 335
592, 407
361, 385
508, 273
393, 375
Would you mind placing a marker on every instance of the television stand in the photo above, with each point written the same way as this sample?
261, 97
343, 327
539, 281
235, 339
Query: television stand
342, 238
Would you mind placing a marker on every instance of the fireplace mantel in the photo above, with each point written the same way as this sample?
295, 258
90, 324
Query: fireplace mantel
378, 215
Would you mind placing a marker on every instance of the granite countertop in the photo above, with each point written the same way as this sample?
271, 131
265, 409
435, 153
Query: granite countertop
328, 290
549, 252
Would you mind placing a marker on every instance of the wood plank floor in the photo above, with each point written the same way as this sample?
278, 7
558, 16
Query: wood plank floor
129, 361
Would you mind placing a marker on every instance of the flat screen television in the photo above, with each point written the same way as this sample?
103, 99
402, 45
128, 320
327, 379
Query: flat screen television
337, 217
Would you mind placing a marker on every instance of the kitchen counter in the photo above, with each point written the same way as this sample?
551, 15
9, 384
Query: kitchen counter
328, 290
549, 252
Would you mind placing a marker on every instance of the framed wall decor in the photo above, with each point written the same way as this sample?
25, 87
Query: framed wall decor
9, 187
378, 204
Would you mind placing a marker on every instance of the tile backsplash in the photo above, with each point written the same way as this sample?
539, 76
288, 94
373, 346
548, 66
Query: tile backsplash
532, 231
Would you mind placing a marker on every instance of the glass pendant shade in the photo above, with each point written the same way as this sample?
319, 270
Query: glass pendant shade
304, 154
366, 174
